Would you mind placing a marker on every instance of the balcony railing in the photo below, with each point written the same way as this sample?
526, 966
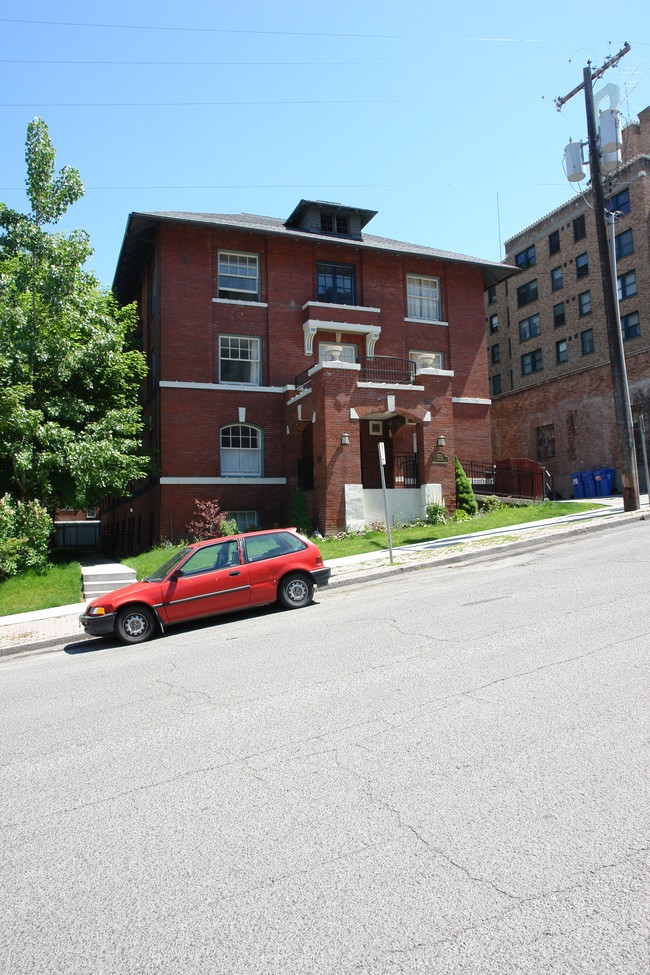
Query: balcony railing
303, 380
402, 473
386, 369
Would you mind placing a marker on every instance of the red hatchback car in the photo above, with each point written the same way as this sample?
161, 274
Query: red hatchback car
217, 576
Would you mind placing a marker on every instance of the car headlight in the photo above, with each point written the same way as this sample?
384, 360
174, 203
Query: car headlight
95, 611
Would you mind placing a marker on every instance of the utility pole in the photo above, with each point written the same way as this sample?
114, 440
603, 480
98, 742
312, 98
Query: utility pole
622, 409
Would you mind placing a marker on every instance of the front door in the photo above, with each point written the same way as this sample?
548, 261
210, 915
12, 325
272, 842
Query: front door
213, 580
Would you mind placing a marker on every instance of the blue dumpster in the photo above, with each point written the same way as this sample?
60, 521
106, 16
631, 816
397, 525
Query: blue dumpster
588, 484
604, 481
578, 486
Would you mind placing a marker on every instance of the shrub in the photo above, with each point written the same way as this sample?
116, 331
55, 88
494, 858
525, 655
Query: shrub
436, 513
492, 503
460, 515
25, 529
300, 513
465, 500
208, 521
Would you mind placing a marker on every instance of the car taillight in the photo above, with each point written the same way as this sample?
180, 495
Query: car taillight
319, 559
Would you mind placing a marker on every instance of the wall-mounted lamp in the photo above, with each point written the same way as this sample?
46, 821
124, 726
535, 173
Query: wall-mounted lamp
345, 439
441, 441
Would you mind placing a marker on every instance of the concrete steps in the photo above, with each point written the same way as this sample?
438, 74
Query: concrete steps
101, 576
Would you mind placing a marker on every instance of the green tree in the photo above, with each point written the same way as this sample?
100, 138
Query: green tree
465, 500
70, 371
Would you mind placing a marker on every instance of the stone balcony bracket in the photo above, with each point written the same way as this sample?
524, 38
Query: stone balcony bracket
313, 326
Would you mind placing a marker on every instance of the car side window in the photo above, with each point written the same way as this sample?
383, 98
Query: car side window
212, 558
271, 546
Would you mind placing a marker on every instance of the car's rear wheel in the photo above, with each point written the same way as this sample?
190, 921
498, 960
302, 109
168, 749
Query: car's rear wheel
295, 591
135, 624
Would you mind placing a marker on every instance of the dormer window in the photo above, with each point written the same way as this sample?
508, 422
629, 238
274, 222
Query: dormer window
330, 224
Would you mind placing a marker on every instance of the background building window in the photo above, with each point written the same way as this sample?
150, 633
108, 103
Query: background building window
556, 279
526, 258
559, 316
527, 293
584, 303
561, 351
545, 438
531, 362
529, 328
241, 450
336, 283
492, 295
582, 265
495, 353
630, 325
587, 340
239, 360
494, 323
238, 276
624, 244
423, 298
620, 203
553, 242
579, 231
496, 384
627, 285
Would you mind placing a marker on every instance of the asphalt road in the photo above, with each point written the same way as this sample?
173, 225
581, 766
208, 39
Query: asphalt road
447, 772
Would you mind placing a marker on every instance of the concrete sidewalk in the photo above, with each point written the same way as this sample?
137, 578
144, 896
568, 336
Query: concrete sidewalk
53, 627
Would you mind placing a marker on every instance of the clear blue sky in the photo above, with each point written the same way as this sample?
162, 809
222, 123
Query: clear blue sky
422, 113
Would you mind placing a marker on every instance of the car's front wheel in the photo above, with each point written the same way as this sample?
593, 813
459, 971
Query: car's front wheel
295, 591
135, 624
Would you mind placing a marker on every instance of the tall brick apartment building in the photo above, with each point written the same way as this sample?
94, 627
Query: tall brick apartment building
548, 352
282, 352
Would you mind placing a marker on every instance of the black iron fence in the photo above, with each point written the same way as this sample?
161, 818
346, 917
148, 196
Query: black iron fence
530, 482
402, 473
303, 380
386, 369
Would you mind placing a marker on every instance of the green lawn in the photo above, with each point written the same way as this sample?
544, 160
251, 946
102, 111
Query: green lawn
373, 541
60, 585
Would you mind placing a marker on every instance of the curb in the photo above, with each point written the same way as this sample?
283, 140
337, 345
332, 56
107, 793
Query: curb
365, 572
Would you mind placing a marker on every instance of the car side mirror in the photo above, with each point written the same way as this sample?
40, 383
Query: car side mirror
176, 574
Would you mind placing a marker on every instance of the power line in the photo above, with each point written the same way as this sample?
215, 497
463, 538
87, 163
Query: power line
274, 33
279, 64
239, 104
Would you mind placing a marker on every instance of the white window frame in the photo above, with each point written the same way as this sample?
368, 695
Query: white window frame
234, 293
246, 520
253, 359
419, 305
241, 460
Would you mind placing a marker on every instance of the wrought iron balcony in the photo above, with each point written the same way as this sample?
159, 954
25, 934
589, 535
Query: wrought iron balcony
402, 473
386, 369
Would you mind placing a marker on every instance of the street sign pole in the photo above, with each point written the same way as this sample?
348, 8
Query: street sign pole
382, 464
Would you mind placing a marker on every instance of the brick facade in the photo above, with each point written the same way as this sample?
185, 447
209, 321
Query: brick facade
550, 376
297, 403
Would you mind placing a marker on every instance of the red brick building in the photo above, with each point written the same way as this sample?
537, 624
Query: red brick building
282, 352
548, 351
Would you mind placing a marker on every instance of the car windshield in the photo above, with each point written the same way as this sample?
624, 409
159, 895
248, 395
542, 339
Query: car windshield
167, 566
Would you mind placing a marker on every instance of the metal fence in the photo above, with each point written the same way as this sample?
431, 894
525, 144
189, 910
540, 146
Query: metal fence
402, 473
509, 480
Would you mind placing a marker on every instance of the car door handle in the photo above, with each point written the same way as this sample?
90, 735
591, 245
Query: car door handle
235, 572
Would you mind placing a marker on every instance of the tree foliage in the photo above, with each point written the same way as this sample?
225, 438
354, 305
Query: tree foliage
70, 371
209, 521
465, 500
25, 530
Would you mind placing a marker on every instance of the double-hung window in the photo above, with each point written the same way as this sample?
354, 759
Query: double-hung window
584, 303
241, 450
620, 203
423, 298
627, 285
579, 230
561, 351
582, 265
531, 362
495, 354
553, 242
238, 276
630, 325
527, 293
587, 341
526, 258
529, 328
239, 360
624, 244
559, 316
494, 323
336, 283
556, 279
